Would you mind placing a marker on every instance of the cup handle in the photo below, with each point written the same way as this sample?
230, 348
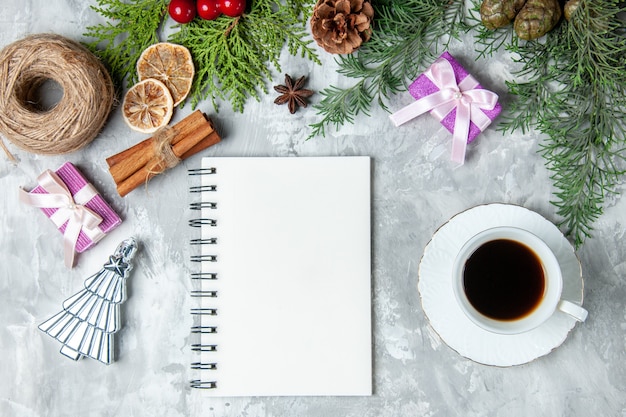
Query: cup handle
573, 310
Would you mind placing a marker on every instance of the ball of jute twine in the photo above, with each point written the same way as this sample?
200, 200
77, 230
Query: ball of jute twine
76, 119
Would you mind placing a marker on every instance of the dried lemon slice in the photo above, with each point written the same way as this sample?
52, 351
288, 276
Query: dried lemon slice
147, 106
170, 63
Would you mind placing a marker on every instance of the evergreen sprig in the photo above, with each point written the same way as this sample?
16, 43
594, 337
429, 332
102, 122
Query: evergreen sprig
574, 92
233, 56
406, 36
131, 28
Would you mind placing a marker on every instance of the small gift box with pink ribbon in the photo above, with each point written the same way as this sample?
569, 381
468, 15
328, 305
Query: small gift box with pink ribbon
455, 98
74, 206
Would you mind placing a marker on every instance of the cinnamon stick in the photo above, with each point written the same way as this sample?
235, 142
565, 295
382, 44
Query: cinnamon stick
126, 163
184, 127
210, 140
137, 165
155, 167
130, 153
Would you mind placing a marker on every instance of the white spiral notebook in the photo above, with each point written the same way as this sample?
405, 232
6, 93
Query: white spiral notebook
284, 287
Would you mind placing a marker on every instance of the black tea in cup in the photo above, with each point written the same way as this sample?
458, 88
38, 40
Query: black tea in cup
504, 279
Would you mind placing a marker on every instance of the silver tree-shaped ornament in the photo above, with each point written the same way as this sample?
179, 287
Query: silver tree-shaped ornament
90, 318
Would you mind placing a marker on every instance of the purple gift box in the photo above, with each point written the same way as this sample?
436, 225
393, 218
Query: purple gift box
423, 86
83, 196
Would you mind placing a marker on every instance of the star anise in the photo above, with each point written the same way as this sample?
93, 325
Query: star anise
293, 93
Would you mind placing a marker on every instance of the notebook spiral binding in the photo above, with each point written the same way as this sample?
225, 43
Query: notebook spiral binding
196, 383
200, 330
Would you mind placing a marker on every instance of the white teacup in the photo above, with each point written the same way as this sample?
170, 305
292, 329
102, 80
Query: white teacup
508, 281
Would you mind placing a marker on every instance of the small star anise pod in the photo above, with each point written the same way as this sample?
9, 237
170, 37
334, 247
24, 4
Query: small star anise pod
293, 93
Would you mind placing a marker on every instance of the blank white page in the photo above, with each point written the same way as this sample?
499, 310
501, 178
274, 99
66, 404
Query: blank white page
293, 285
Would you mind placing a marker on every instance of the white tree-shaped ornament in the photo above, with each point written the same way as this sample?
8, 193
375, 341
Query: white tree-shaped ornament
90, 318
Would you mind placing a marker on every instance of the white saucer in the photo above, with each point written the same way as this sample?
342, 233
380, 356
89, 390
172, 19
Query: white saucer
447, 319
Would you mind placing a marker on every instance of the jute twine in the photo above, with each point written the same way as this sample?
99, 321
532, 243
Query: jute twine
164, 156
77, 118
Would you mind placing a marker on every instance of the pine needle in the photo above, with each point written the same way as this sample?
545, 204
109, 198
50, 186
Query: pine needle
407, 34
233, 56
132, 27
575, 95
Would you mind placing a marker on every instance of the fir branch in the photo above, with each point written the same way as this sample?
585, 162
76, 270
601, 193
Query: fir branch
575, 95
233, 56
489, 41
406, 35
229, 50
132, 27
341, 106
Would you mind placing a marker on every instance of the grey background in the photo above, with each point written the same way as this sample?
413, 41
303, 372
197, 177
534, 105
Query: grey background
415, 190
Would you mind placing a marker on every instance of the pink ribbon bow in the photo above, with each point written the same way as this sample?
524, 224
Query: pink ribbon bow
468, 100
70, 209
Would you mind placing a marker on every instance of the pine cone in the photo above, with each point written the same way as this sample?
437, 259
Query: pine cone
570, 7
499, 13
341, 26
537, 18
